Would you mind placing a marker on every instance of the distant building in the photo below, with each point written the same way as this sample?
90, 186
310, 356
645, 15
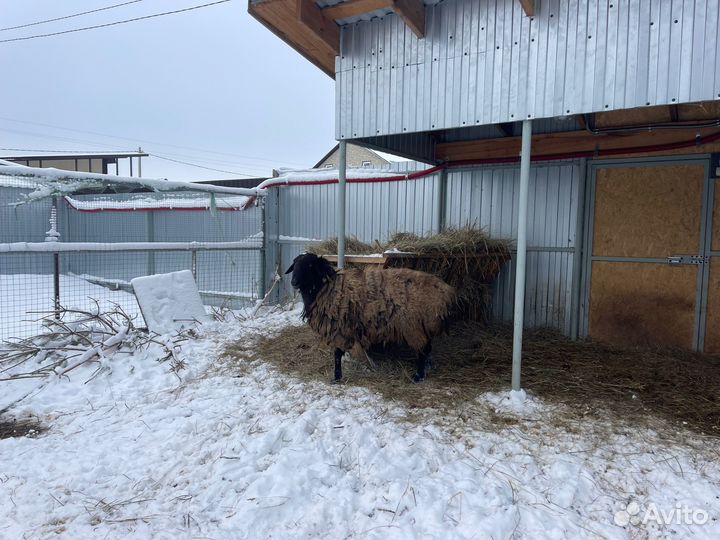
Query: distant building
357, 157
234, 182
103, 163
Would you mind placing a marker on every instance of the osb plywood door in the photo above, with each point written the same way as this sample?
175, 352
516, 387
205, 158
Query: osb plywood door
652, 213
712, 322
643, 304
649, 212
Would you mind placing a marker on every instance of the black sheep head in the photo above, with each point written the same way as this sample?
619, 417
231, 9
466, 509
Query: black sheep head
309, 274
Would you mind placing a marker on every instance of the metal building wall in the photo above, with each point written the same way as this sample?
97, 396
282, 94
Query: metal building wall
23, 223
486, 197
28, 223
374, 210
485, 62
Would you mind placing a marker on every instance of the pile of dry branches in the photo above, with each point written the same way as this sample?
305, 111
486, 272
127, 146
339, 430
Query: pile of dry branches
73, 337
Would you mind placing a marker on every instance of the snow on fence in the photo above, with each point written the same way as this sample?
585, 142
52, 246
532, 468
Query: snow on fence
227, 275
103, 240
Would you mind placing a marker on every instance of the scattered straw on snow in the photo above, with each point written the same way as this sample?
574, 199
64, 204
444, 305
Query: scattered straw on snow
237, 447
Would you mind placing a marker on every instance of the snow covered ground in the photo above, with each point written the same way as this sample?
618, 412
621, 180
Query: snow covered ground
221, 450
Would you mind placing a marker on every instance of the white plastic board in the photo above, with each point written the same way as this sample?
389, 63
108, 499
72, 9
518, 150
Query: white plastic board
169, 302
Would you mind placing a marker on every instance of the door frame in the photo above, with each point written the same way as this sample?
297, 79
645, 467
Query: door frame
706, 212
711, 186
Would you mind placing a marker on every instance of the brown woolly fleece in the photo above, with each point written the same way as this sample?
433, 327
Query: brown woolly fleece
372, 307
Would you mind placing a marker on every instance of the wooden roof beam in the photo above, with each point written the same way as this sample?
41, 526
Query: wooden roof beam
528, 7
313, 18
413, 13
554, 144
354, 8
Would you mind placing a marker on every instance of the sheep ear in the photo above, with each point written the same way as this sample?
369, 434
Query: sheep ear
292, 267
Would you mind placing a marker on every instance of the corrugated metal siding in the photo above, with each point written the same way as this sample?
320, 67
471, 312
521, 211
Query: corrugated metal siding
486, 197
28, 223
23, 223
485, 62
374, 211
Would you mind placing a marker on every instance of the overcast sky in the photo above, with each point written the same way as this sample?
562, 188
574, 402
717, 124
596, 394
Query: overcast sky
210, 86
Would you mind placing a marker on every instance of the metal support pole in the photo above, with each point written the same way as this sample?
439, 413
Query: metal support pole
56, 283
442, 201
131, 167
578, 252
521, 253
52, 236
139, 162
262, 268
193, 263
342, 170
151, 238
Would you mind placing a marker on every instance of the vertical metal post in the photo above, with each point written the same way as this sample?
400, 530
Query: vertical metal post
52, 236
56, 283
521, 253
262, 269
578, 252
150, 238
442, 201
131, 166
342, 170
193, 263
139, 162
273, 259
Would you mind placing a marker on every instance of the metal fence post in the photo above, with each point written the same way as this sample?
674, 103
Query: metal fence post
151, 238
263, 250
193, 263
52, 236
56, 283
271, 240
341, 204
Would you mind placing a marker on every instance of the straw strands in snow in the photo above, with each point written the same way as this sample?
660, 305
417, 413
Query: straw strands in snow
589, 380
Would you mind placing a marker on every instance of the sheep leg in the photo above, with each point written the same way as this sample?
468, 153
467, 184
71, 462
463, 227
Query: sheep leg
422, 363
338, 364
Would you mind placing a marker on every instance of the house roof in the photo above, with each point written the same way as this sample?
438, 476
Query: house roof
388, 158
98, 155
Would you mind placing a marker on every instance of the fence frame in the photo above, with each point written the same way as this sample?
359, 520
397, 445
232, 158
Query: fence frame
57, 248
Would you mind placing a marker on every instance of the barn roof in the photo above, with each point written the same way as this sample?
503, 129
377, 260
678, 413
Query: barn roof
312, 27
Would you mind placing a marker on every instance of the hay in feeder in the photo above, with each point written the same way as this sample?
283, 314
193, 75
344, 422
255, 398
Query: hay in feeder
466, 258
353, 246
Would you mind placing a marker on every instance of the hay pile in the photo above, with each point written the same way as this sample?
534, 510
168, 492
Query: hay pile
592, 380
466, 258
353, 246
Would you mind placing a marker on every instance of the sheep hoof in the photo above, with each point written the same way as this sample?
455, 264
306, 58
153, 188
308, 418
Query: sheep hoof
417, 378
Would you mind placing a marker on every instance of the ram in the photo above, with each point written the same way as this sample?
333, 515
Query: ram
372, 307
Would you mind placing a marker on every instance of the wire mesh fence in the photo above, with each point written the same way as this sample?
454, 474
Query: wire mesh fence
85, 257
30, 287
